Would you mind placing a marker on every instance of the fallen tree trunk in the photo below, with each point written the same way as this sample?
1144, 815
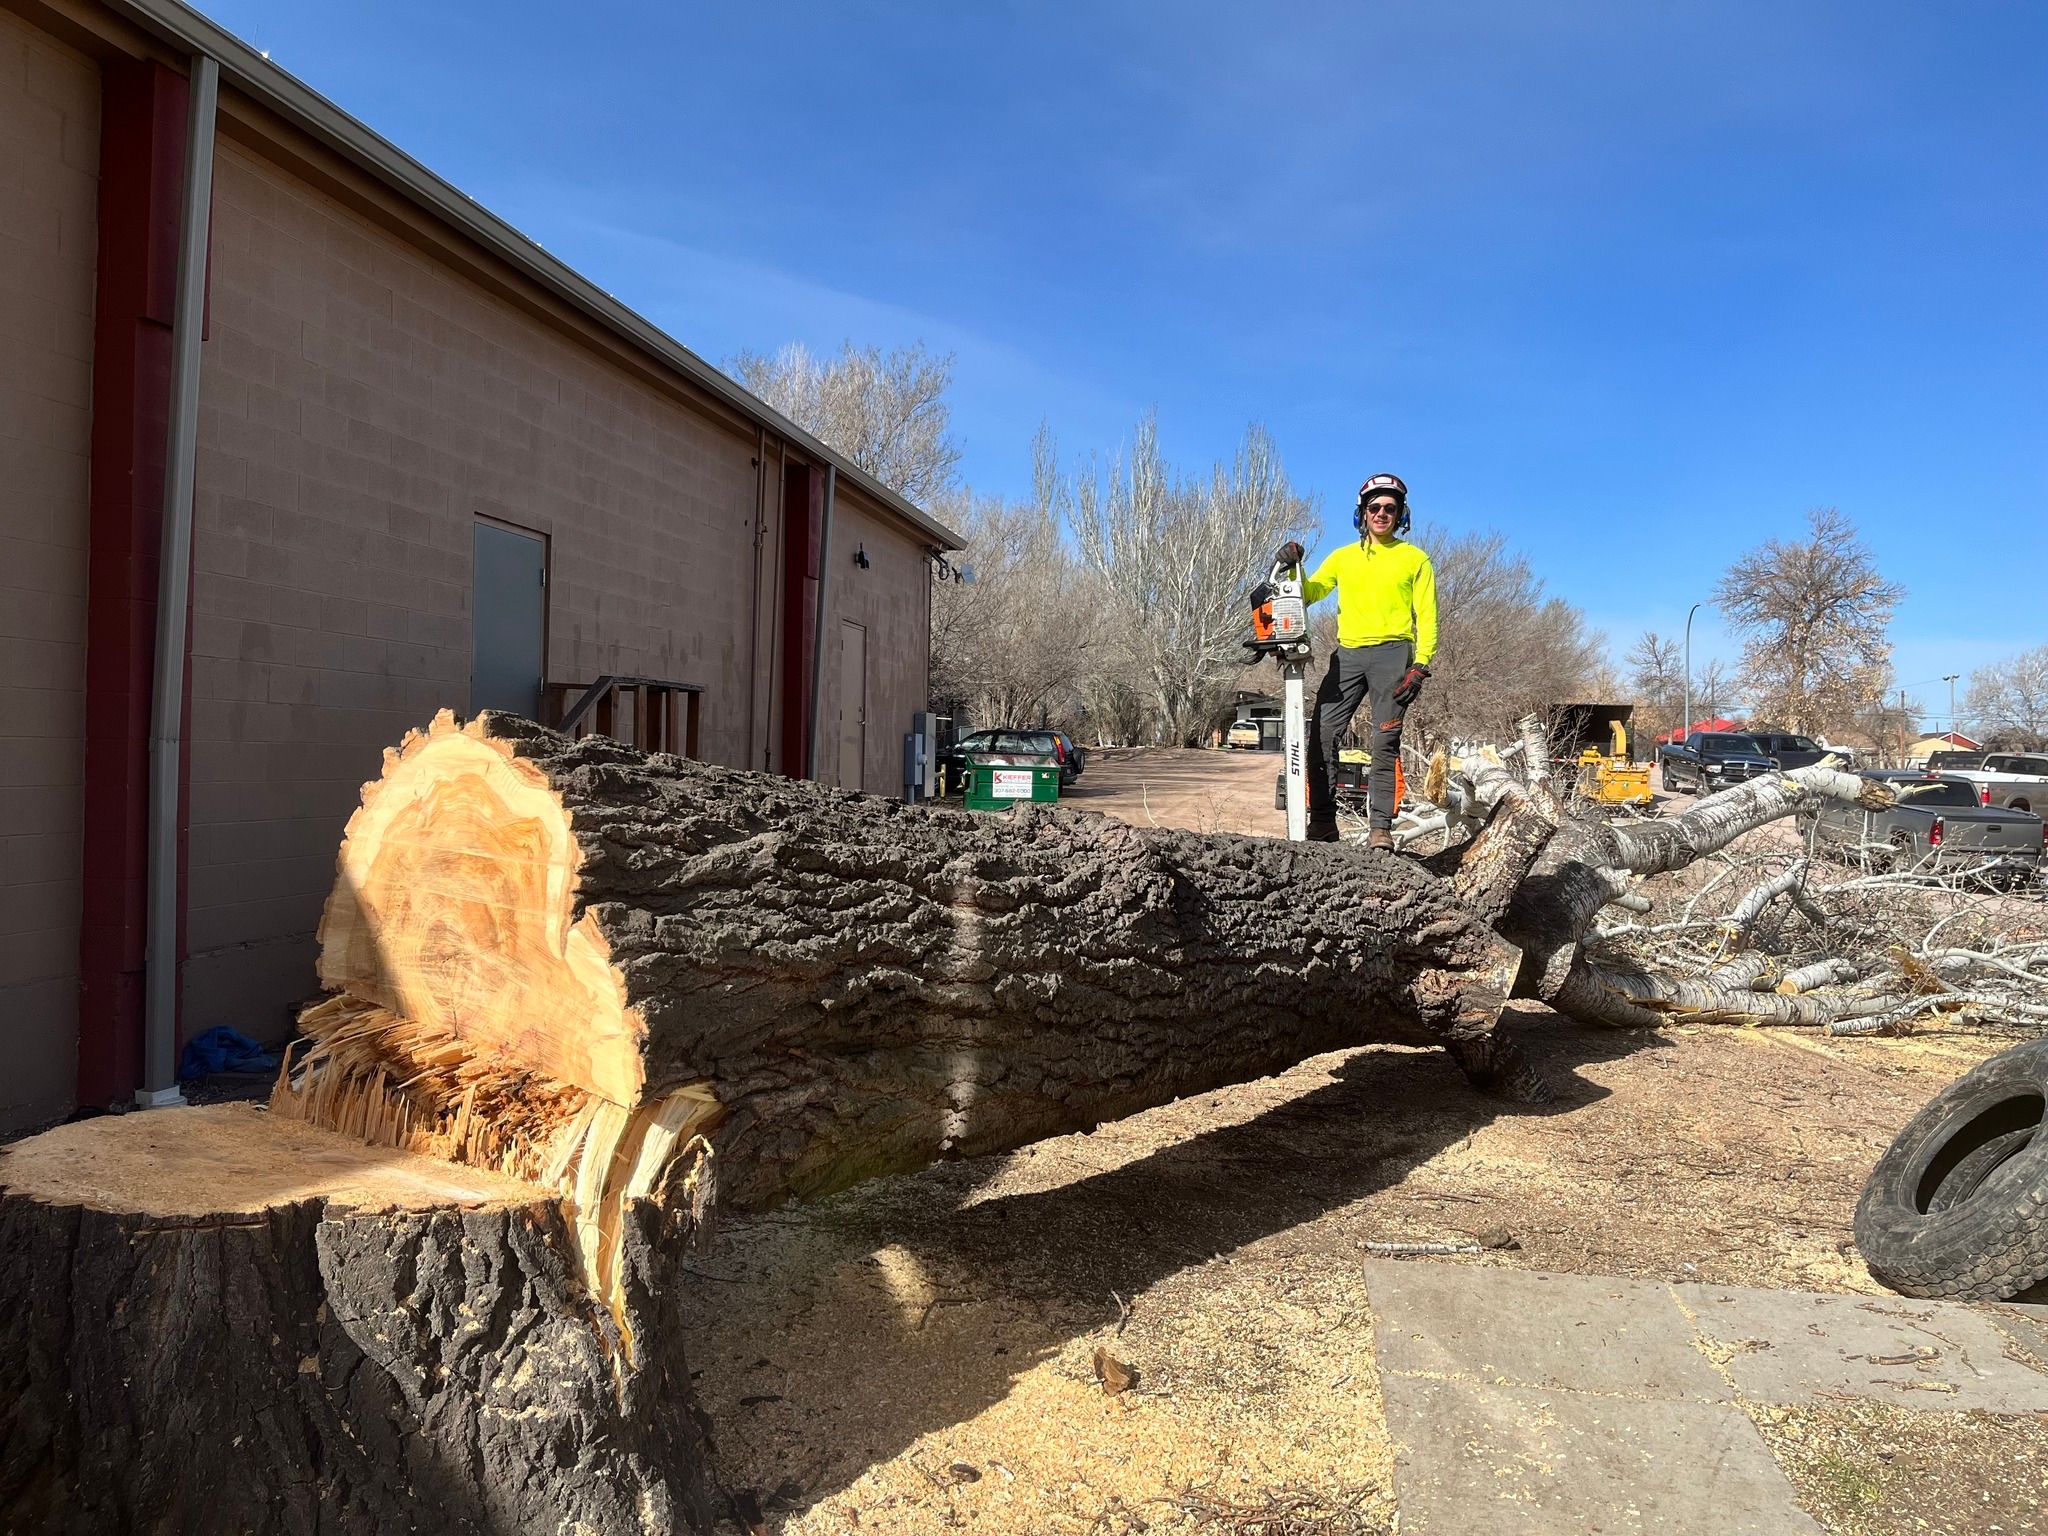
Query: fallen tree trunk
824, 986
221, 1320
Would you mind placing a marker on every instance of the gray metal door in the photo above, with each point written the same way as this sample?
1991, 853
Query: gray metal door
853, 703
508, 609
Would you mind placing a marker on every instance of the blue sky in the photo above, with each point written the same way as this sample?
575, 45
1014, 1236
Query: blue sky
1636, 283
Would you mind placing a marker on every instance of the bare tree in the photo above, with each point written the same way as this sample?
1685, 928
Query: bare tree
1656, 672
1712, 689
1174, 555
1005, 646
2010, 697
884, 410
1814, 616
1505, 649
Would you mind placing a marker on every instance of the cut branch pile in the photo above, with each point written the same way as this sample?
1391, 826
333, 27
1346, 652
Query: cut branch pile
1703, 924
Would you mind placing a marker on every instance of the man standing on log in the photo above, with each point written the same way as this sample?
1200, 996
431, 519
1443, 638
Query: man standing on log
1386, 635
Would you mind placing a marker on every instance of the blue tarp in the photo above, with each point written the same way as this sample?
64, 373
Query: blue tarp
223, 1050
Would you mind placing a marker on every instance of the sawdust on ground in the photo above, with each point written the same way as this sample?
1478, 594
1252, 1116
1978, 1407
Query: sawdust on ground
1872, 1469
920, 1354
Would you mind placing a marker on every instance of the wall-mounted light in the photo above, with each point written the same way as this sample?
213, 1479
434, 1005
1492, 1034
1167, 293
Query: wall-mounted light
860, 556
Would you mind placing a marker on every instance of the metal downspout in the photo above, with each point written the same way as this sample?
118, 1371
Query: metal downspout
818, 640
173, 593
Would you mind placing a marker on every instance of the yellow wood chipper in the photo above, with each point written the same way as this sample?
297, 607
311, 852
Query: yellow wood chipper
1593, 741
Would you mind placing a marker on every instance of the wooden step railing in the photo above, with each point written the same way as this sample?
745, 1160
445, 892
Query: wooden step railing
659, 715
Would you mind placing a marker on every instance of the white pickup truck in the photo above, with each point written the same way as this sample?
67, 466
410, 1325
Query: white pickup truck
2016, 781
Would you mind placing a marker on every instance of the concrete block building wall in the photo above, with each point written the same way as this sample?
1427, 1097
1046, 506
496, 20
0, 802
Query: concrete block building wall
49, 186
361, 406
384, 370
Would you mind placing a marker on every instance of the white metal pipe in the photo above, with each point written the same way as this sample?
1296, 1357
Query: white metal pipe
173, 592
818, 639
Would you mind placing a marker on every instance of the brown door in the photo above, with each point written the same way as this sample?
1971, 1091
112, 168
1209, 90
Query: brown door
853, 702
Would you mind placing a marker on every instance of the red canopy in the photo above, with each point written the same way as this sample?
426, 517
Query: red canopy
1716, 724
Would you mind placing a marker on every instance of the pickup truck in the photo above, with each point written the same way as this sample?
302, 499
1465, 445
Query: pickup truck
1790, 751
1937, 825
2017, 781
1709, 760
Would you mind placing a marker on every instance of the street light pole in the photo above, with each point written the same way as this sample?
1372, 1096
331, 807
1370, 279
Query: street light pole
1686, 723
1951, 681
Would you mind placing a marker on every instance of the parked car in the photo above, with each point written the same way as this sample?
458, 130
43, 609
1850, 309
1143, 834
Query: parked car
1021, 743
1791, 751
2014, 780
1075, 760
1709, 760
1243, 734
1937, 823
1948, 762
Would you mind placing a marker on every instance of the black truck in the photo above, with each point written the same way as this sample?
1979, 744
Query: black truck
1709, 760
1788, 750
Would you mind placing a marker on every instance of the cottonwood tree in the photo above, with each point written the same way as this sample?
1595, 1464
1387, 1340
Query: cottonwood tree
1174, 554
1814, 616
886, 411
736, 991
1656, 672
2010, 697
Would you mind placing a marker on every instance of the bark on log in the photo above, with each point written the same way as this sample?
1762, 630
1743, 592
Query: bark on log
855, 986
220, 1320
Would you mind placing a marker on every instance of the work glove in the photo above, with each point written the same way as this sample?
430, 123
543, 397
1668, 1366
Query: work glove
1291, 554
1410, 685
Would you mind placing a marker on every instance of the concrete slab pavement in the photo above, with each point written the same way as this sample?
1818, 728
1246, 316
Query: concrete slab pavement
1523, 1402
1796, 1347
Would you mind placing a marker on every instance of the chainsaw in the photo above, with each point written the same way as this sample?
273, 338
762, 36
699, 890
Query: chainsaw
1280, 630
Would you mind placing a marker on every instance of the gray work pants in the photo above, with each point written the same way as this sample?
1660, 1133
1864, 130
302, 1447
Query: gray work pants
1358, 672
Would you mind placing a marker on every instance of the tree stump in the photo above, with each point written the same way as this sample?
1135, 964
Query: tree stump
218, 1319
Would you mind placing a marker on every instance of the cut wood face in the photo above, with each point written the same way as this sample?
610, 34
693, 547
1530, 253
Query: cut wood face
454, 905
234, 1159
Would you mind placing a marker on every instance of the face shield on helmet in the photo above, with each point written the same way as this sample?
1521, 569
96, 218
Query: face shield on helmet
1379, 486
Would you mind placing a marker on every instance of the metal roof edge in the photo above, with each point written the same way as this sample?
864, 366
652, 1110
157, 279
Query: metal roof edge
291, 98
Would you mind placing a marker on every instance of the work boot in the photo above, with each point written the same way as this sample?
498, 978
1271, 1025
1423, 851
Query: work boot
1322, 831
1380, 837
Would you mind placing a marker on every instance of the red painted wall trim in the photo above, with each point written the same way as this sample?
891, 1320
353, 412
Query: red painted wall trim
803, 532
142, 173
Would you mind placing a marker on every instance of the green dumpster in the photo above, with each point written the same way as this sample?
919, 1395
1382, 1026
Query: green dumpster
998, 780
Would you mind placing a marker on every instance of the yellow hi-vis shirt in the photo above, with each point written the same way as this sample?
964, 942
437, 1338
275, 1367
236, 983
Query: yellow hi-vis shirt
1384, 592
